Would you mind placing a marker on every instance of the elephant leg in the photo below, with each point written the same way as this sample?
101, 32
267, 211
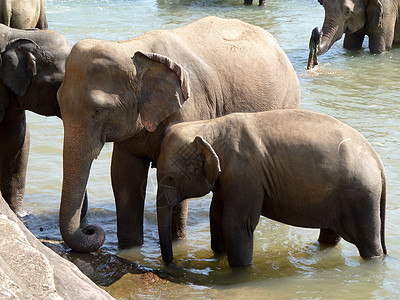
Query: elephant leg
361, 224
13, 163
129, 179
242, 210
179, 220
216, 212
5, 13
42, 22
328, 237
353, 41
262, 2
381, 39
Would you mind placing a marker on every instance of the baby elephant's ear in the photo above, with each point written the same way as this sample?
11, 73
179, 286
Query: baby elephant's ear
211, 167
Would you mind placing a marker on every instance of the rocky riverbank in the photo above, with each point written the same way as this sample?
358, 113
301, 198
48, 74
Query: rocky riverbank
44, 269
30, 270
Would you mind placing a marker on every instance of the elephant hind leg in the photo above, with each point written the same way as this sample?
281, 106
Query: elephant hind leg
328, 237
361, 225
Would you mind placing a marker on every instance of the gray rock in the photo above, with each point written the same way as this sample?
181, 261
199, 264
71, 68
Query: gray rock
30, 270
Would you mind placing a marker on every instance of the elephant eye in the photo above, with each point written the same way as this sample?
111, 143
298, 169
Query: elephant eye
97, 113
348, 12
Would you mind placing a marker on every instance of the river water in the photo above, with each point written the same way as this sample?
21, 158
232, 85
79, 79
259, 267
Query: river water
356, 87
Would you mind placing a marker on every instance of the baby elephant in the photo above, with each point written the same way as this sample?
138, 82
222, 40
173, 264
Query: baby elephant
294, 166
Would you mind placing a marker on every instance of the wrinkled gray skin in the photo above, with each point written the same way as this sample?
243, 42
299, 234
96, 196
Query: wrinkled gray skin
32, 65
128, 92
378, 19
23, 14
297, 167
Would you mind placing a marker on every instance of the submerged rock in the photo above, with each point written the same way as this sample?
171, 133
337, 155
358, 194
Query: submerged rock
30, 270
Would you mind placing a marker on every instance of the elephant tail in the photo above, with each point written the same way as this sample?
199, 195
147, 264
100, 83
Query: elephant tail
383, 212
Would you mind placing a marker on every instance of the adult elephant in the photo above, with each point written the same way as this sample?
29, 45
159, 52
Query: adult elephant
129, 92
32, 65
23, 14
378, 19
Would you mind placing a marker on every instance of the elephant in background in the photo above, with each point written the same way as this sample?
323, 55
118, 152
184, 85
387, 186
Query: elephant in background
32, 66
260, 2
293, 166
128, 92
23, 14
378, 19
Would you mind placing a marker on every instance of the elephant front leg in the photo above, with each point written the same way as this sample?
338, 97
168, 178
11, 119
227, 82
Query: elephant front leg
381, 38
42, 22
328, 237
5, 13
353, 41
216, 213
241, 213
179, 220
129, 179
238, 232
13, 162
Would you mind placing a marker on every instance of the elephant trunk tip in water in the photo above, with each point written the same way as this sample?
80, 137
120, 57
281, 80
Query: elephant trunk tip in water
87, 239
315, 40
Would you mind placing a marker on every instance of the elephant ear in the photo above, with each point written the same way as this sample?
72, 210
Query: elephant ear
163, 87
211, 166
375, 13
18, 65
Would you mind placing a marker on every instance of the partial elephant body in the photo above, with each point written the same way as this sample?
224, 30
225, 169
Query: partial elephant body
260, 2
297, 167
23, 14
377, 19
128, 92
31, 71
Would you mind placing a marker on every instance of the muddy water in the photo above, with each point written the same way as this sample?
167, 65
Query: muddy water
358, 88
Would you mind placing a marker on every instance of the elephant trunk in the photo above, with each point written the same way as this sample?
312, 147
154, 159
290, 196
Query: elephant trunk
315, 39
164, 220
76, 165
330, 33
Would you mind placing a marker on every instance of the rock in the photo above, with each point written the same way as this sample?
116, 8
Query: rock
148, 285
30, 270
101, 267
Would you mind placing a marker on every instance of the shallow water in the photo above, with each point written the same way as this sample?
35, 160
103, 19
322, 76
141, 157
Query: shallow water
358, 88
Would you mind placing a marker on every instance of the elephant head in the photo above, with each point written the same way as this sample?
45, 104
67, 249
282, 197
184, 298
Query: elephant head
107, 96
184, 170
346, 16
31, 74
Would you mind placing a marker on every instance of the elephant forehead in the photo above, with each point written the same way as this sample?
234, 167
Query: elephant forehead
102, 98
